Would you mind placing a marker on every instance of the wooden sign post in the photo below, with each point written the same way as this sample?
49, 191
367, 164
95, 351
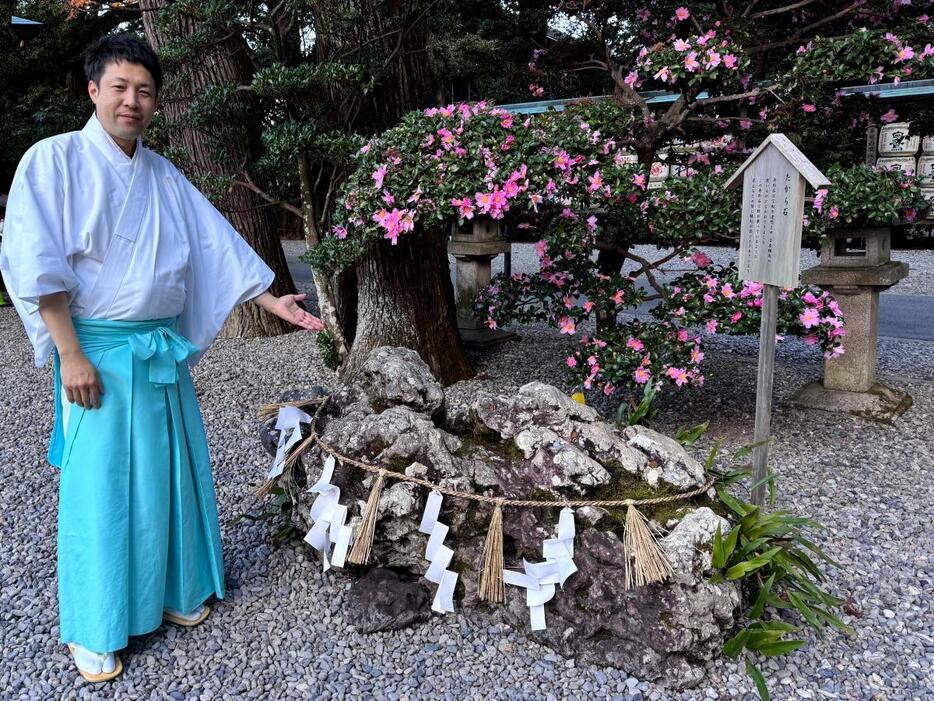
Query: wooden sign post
774, 178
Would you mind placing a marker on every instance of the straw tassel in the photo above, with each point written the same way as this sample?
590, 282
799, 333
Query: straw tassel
492, 588
645, 559
363, 544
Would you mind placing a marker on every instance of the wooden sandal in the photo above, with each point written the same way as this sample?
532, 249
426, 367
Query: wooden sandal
178, 620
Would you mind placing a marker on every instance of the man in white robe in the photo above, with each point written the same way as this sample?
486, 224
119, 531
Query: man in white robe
119, 266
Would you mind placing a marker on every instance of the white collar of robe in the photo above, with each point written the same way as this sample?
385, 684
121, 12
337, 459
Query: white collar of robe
115, 155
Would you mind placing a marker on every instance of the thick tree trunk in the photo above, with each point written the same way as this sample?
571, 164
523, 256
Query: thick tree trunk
405, 298
226, 61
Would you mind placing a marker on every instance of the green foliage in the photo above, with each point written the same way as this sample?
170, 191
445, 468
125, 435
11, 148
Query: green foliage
698, 208
327, 349
772, 556
642, 413
868, 196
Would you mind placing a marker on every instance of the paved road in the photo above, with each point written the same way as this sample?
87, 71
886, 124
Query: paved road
900, 316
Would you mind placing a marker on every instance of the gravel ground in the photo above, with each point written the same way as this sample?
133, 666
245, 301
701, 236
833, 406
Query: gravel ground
281, 634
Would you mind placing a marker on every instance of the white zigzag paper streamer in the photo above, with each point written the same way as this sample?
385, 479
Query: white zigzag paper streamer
439, 555
328, 516
540, 578
289, 424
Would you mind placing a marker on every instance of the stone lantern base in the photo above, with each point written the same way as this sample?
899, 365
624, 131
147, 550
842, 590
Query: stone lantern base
880, 403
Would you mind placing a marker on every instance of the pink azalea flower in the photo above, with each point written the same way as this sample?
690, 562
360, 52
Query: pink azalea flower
727, 291
464, 207
571, 361
566, 325
713, 60
833, 213
904, 54
491, 323
701, 259
618, 297
641, 375
631, 78
639, 180
709, 298
889, 117
596, 182
683, 335
819, 198
588, 306
809, 298
711, 326
681, 45
540, 247
679, 375
562, 160
682, 14
608, 389
809, 317
378, 176
339, 231
807, 107
690, 62
696, 355
663, 74
635, 344
730, 62
736, 316
536, 90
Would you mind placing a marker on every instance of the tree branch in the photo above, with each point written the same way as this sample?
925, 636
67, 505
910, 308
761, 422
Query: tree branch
736, 96
780, 10
794, 38
250, 185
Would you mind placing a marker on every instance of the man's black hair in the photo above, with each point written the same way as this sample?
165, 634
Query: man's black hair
121, 47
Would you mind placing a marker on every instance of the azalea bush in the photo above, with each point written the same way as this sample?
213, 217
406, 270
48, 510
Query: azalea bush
869, 196
715, 299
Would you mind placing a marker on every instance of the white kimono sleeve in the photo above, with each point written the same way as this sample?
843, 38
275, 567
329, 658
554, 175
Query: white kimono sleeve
222, 273
34, 257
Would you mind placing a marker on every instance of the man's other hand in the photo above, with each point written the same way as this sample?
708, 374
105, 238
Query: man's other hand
286, 307
81, 381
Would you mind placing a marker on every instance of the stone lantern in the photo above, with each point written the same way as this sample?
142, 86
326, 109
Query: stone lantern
474, 246
855, 266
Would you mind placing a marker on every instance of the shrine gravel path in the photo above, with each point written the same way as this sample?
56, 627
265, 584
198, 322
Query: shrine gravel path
281, 632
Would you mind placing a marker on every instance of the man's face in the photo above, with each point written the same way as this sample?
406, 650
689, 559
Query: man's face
125, 100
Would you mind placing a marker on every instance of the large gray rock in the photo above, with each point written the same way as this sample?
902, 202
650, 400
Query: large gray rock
382, 600
398, 376
541, 444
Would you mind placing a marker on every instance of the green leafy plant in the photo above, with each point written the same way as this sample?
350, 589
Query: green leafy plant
776, 563
641, 413
329, 355
869, 197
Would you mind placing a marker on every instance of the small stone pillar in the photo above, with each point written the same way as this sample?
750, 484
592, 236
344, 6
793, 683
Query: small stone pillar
855, 266
474, 246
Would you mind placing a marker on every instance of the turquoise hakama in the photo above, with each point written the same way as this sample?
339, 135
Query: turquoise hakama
138, 528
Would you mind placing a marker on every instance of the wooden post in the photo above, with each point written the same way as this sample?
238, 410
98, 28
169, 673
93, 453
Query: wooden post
760, 453
773, 178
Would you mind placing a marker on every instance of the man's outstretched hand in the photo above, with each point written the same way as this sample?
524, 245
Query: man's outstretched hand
286, 307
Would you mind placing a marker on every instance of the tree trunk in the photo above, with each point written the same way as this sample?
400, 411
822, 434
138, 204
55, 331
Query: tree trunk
405, 298
225, 61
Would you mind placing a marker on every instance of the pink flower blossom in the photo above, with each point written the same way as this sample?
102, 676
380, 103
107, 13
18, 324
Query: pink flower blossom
631, 79
663, 74
566, 324
833, 213
635, 344
745, 124
571, 361
378, 176
683, 335
690, 62
679, 375
809, 317
711, 326
682, 14
464, 207
642, 375
727, 291
491, 323
562, 160
596, 182
701, 259
905, 53
339, 231
712, 60
536, 90
608, 389
639, 180
730, 62
735, 316
592, 223
696, 355
681, 45
810, 340
807, 107
819, 198
617, 297
889, 117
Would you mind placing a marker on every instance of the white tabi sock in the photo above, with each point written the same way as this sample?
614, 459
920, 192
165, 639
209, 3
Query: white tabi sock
192, 616
93, 662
